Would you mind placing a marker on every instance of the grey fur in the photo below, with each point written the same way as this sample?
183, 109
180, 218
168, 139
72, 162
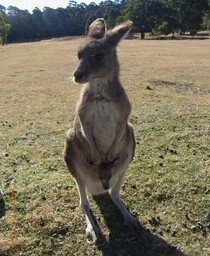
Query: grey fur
100, 145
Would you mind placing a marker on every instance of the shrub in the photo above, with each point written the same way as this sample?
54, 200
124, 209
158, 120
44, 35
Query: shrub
206, 21
164, 28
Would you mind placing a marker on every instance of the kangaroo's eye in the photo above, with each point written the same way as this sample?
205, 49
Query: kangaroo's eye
99, 56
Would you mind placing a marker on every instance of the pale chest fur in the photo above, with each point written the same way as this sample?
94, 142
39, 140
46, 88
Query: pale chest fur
100, 110
104, 124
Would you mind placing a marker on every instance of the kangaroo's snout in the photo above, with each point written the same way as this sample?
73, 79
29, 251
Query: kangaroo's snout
78, 75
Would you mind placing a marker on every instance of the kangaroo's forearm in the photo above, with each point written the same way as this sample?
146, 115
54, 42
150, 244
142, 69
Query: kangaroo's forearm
88, 134
120, 131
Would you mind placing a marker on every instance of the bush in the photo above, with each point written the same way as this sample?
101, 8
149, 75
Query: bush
164, 28
206, 21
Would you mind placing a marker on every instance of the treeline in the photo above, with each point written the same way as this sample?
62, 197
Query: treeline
163, 15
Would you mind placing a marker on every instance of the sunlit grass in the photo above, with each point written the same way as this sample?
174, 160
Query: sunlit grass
167, 184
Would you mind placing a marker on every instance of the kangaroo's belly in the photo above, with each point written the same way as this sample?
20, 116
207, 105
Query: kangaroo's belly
104, 126
95, 187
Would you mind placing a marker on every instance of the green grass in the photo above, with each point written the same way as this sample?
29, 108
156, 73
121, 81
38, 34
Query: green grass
168, 183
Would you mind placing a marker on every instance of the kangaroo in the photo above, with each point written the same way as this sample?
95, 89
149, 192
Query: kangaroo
100, 145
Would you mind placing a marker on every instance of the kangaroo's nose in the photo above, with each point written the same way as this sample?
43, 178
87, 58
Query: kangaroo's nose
78, 75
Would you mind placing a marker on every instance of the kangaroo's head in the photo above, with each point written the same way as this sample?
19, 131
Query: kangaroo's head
97, 55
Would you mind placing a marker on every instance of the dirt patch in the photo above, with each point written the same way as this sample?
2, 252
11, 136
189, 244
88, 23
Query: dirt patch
181, 87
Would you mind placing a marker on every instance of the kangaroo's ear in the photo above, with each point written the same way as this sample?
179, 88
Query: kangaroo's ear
119, 32
97, 29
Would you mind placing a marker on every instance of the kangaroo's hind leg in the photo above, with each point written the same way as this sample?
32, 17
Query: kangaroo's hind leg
129, 219
75, 163
92, 230
124, 158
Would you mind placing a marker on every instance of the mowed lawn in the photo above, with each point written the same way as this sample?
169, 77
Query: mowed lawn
167, 186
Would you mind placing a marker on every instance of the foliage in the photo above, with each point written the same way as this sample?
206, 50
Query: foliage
146, 14
4, 30
206, 20
182, 14
72, 20
75, 18
189, 12
164, 28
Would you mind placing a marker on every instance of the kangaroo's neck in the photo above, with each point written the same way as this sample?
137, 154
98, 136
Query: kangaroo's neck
106, 88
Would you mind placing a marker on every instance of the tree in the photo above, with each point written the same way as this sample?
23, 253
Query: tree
39, 25
4, 30
22, 25
49, 19
180, 14
63, 24
165, 15
2, 10
78, 16
188, 13
164, 28
146, 14
206, 21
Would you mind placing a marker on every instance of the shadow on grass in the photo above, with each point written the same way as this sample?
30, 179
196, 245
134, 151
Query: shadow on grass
2, 208
124, 242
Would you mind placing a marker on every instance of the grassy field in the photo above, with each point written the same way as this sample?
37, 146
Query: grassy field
167, 185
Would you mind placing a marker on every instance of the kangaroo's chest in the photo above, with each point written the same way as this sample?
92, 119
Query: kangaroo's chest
105, 116
100, 117
104, 123
100, 112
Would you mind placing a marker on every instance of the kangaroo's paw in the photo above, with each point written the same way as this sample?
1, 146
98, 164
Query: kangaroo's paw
94, 233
